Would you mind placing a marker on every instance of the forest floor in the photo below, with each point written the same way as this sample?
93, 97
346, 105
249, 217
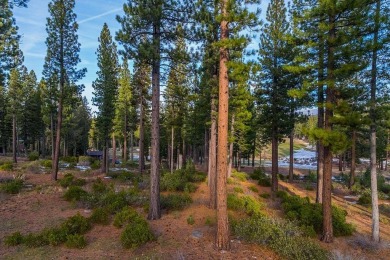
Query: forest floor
40, 205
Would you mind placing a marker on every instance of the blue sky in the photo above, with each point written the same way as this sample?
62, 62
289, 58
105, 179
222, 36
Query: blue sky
91, 15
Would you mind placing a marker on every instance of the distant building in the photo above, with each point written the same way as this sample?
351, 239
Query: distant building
95, 154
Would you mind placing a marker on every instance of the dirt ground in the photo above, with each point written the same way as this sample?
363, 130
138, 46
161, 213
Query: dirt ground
42, 206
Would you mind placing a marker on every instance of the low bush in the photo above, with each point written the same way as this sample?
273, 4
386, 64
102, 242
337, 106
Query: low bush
76, 241
95, 165
100, 216
136, 233
69, 159
32, 167
85, 160
70, 180
261, 177
46, 163
122, 175
364, 199
310, 215
124, 217
238, 190
241, 176
33, 156
6, 166
175, 201
68, 232
190, 220
12, 187
283, 237
13, 239
99, 186
246, 204
265, 195
253, 188
75, 193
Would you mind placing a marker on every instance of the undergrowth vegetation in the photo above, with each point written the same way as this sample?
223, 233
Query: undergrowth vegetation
246, 204
288, 240
182, 179
12, 187
261, 177
309, 214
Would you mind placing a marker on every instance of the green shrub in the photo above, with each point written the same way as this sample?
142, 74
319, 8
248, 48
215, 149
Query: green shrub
33, 156
46, 163
175, 201
253, 188
241, 176
310, 215
95, 165
6, 166
136, 233
190, 220
69, 159
261, 177
238, 190
99, 186
13, 239
312, 176
364, 199
265, 195
124, 217
76, 224
173, 181
55, 236
35, 240
190, 187
283, 237
75, 193
12, 187
246, 204
85, 160
70, 180
32, 167
76, 241
122, 175
100, 216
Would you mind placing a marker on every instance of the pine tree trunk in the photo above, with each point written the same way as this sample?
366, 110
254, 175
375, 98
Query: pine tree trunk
353, 164
113, 150
291, 165
58, 140
172, 148
223, 241
14, 145
104, 159
125, 141
52, 136
374, 188
320, 119
154, 209
131, 147
184, 159
340, 162
231, 148
212, 173
141, 154
327, 232
239, 160
207, 149
274, 170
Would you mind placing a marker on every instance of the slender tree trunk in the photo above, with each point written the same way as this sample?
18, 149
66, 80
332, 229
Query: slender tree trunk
320, 123
52, 136
222, 238
14, 145
141, 154
154, 209
291, 165
172, 148
212, 173
58, 140
207, 149
387, 151
374, 185
131, 146
327, 232
231, 148
274, 170
103, 167
340, 162
113, 150
254, 153
239, 160
125, 140
353, 156
184, 159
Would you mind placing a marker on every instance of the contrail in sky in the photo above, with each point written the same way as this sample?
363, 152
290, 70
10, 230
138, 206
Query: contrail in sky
99, 15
